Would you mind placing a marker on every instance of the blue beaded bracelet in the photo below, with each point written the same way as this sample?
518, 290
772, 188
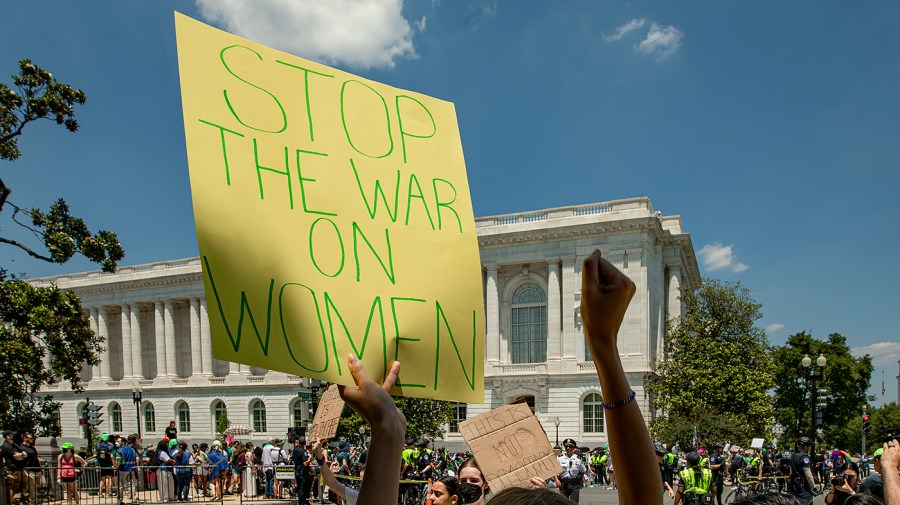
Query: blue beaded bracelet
620, 403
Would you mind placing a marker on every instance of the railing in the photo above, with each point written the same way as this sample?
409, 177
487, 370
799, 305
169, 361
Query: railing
628, 204
94, 485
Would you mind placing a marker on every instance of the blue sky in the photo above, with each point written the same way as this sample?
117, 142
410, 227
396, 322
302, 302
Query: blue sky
772, 128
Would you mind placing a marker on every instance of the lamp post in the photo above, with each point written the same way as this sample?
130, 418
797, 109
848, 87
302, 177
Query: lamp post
314, 386
362, 436
137, 396
556, 422
811, 376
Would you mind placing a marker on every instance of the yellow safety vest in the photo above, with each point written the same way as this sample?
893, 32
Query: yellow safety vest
693, 485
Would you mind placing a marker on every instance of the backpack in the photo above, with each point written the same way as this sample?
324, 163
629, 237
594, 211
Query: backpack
103, 456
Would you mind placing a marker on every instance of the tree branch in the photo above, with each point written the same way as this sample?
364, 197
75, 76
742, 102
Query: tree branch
27, 249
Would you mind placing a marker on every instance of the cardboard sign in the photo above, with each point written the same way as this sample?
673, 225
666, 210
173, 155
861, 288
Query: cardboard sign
756, 443
333, 217
328, 415
510, 446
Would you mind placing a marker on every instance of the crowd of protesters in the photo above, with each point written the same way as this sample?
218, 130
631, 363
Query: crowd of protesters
373, 474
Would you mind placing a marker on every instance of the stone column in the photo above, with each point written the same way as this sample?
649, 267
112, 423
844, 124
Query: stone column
492, 310
137, 347
673, 301
553, 327
233, 368
206, 361
172, 358
160, 330
127, 372
95, 370
103, 331
196, 359
569, 288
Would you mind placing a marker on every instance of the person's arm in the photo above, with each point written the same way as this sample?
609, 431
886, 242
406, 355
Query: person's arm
678, 495
605, 295
375, 405
59, 468
670, 490
890, 459
809, 477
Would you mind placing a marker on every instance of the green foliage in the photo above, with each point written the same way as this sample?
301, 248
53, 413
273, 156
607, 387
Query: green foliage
222, 425
424, 418
40, 321
848, 434
716, 370
846, 379
43, 321
39, 96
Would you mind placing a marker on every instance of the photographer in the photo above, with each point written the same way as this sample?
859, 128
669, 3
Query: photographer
843, 485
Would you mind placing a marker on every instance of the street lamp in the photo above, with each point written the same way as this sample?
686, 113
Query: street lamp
811, 376
314, 385
137, 396
556, 422
362, 436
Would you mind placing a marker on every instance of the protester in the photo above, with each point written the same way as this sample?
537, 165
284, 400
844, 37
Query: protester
34, 478
104, 451
469, 473
171, 432
344, 492
67, 471
126, 463
14, 461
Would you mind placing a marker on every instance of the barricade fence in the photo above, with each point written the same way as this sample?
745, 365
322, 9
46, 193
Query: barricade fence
93, 485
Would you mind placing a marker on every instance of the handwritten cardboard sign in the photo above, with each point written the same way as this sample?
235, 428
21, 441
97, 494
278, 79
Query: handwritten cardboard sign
333, 216
510, 446
328, 415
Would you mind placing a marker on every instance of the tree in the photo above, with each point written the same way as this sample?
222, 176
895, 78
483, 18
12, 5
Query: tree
848, 434
424, 418
221, 425
716, 369
846, 380
43, 323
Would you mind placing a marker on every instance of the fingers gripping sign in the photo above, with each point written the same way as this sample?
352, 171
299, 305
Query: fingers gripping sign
606, 293
368, 399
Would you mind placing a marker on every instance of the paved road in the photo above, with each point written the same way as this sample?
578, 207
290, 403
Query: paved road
597, 496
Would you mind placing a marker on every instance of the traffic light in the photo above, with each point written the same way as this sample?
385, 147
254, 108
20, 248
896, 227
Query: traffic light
82, 421
865, 424
94, 414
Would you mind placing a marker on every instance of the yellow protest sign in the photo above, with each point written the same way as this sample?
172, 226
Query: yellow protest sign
333, 216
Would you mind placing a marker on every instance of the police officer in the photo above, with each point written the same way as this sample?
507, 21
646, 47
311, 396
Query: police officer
717, 466
802, 483
695, 484
569, 481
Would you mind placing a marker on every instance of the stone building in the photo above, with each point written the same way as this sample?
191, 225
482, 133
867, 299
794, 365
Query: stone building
154, 319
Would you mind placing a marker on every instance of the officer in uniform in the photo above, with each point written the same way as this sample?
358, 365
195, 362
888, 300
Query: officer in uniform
695, 485
569, 481
717, 466
802, 482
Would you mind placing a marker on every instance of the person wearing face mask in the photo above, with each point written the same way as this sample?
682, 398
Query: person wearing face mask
843, 485
469, 473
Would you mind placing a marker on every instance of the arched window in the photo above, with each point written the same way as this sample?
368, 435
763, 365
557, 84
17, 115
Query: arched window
297, 413
528, 343
115, 416
592, 409
258, 413
184, 418
149, 418
219, 411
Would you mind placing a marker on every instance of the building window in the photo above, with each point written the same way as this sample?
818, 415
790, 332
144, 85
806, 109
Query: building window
459, 414
258, 411
149, 418
219, 410
529, 324
297, 413
115, 416
184, 418
593, 413
526, 399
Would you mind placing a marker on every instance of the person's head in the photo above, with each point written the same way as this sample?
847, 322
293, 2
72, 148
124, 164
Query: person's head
204, 446
850, 475
570, 446
445, 491
876, 459
183, 446
171, 424
410, 443
718, 448
104, 437
693, 459
805, 443
67, 448
28, 438
469, 473
522, 496
162, 445
864, 499
195, 447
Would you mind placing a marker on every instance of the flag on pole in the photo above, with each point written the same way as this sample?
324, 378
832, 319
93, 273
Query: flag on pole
882, 387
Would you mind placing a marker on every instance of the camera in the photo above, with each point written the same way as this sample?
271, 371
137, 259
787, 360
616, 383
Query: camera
890, 434
838, 480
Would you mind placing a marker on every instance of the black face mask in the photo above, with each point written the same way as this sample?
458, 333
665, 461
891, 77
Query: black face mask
469, 493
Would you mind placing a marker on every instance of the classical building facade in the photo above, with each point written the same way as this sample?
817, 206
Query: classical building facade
154, 320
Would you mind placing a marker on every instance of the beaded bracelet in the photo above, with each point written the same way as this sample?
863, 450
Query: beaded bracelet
620, 403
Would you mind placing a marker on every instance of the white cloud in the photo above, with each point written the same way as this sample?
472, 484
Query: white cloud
717, 257
625, 29
882, 353
420, 24
772, 328
661, 41
359, 33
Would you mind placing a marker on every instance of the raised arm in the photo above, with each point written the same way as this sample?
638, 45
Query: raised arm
375, 405
605, 295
